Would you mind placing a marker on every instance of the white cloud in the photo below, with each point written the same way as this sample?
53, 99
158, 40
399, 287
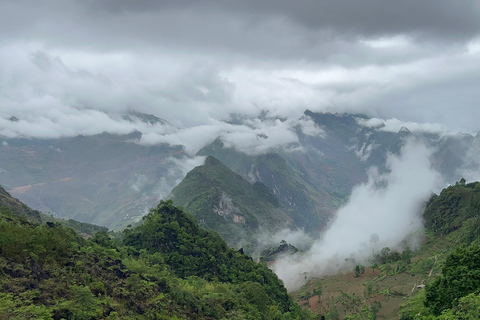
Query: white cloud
395, 125
310, 128
388, 205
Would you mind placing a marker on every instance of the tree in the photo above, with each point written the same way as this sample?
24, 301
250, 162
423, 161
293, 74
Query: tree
83, 305
460, 277
357, 271
407, 255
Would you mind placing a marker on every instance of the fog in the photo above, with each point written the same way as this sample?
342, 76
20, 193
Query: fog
388, 205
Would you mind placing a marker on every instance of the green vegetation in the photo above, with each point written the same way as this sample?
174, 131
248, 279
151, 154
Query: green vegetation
167, 268
290, 177
452, 217
460, 277
270, 254
223, 201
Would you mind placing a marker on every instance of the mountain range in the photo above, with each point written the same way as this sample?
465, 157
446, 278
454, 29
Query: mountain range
112, 180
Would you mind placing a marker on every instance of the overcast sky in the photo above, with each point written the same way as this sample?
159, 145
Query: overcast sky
69, 67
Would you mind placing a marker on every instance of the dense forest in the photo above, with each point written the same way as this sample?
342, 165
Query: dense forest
167, 268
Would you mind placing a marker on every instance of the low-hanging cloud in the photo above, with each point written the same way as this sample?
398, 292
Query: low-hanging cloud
251, 136
388, 205
395, 125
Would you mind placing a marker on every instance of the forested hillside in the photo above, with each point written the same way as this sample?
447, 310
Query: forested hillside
167, 268
453, 217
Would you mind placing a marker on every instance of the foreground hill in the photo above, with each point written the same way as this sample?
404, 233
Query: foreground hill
223, 201
167, 268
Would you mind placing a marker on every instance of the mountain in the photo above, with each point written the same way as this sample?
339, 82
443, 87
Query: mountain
112, 180
167, 268
314, 176
299, 198
223, 201
103, 179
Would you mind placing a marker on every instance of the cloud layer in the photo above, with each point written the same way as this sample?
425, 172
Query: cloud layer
63, 62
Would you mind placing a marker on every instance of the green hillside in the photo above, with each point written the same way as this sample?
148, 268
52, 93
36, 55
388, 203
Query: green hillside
223, 201
168, 268
302, 200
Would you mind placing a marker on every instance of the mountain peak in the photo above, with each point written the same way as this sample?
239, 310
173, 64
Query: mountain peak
212, 161
223, 201
143, 117
404, 130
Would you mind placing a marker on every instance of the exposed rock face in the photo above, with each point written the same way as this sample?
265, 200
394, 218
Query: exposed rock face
227, 210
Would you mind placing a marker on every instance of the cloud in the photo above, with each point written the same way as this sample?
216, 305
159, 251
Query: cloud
388, 205
395, 125
251, 136
310, 128
194, 65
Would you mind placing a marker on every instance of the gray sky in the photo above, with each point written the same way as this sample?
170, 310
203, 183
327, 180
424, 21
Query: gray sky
69, 67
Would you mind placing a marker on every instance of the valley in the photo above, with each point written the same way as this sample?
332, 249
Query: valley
240, 160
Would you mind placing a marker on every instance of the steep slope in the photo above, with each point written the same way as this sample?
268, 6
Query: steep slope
314, 176
15, 207
223, 201
300, 198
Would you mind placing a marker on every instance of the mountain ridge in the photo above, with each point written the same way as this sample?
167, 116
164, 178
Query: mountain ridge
223, 201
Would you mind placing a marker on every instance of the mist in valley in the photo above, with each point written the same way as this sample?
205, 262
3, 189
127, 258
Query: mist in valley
386, 211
